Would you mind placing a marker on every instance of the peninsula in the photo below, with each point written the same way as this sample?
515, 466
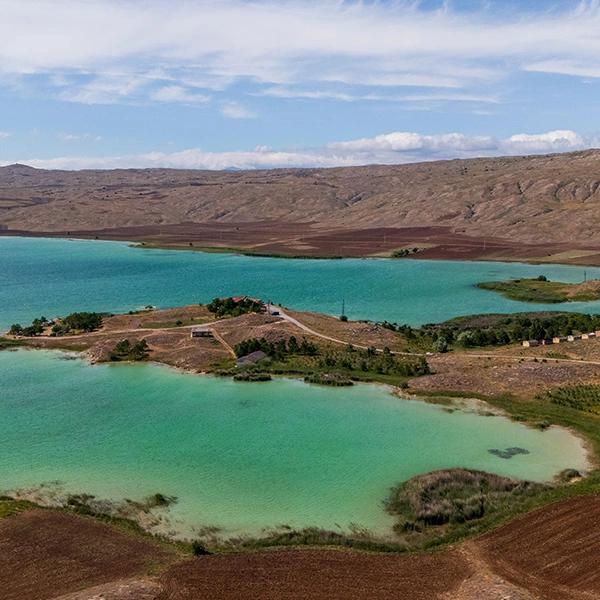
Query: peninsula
542, 290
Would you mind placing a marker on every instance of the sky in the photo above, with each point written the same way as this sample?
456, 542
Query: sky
216, 84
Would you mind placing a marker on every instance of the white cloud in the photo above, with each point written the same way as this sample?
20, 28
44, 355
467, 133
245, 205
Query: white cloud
108, 88
4, 135
286, 92
390, 148
552, 141
403, 141
565, 67
156, 49
78, 137
176, 93
234, 110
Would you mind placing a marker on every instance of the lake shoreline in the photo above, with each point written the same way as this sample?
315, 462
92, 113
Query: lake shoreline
578, 259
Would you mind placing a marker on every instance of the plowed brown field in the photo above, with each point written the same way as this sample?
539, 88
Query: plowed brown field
46, 554
552, 553
316, 574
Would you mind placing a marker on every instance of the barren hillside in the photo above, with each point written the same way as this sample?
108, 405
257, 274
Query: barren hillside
533, 200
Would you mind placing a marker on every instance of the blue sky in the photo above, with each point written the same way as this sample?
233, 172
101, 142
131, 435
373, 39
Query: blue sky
232, 83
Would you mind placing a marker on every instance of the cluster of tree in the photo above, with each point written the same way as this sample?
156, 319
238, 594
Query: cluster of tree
404, 252
277, 350
36, 328
228, 307
78, 321
126, 351
506, 330
371, 361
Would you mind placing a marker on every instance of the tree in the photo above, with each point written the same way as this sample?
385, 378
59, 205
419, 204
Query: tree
293, 345
441, 345
16, 329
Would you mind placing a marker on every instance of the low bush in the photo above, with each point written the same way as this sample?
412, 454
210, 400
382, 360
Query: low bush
199, 549
252, 376
277, 350
333, 379
453, 496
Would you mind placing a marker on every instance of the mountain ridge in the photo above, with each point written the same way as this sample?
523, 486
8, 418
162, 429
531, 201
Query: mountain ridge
537, 199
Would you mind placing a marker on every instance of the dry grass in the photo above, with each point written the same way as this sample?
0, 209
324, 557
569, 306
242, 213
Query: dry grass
454, 496
359, 333
496, 375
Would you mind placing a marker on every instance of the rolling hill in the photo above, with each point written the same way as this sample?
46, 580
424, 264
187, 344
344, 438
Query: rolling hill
532, 206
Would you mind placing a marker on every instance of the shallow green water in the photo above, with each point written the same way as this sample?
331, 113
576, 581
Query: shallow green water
53, 277
242, 456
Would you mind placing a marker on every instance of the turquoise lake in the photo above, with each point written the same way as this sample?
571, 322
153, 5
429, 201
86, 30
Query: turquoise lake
238, 456
53, 277
242, 456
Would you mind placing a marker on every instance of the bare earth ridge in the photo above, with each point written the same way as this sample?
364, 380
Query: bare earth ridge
542, 207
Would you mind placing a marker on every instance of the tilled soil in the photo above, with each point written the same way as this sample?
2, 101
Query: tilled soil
47, 554
316, 574
554, 552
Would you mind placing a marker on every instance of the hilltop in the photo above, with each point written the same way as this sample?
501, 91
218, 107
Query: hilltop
542, 207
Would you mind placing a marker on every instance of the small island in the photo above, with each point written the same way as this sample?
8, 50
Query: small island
540, 289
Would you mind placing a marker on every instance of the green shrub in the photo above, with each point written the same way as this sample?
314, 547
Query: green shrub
126, 351
199, 549
277, 350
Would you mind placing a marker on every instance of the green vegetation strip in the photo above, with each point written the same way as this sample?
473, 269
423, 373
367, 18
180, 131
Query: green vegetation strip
541, 290
77, 322
584, 397
493, 330
327, 366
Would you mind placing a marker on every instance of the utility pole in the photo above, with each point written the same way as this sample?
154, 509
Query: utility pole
343, 307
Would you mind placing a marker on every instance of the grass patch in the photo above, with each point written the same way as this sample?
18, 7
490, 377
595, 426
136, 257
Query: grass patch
432, 506
9, 506
314, 536
541, 290
6, 343
583, 397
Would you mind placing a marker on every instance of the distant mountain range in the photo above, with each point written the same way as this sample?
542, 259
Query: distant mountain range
531, 199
